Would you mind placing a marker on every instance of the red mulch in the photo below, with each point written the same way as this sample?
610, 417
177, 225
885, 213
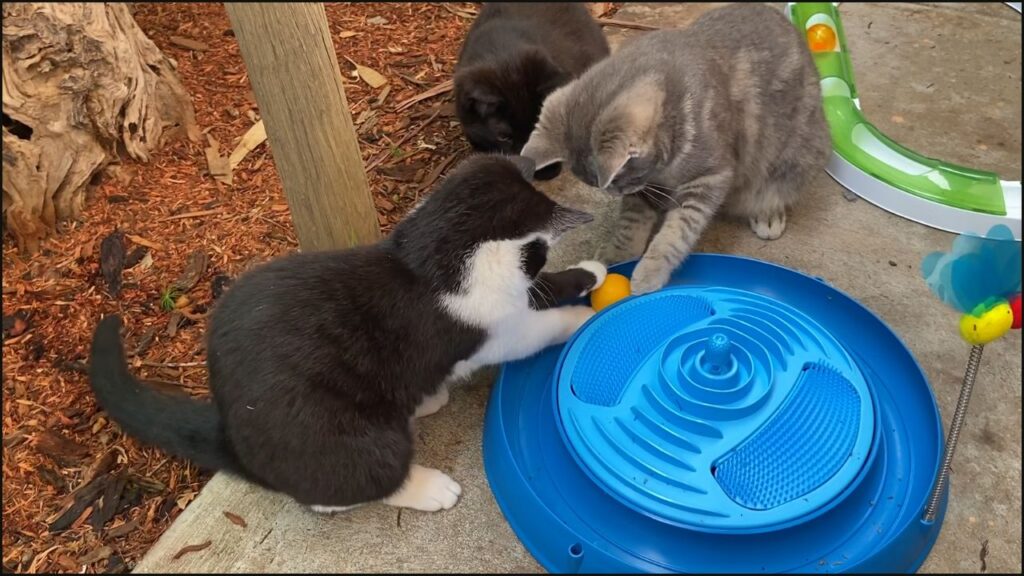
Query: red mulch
59, 451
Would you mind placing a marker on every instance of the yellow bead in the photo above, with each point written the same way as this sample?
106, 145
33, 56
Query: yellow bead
615, 288
980, 330
821, 38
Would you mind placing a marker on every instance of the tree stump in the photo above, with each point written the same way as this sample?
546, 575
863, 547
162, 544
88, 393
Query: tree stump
82, 84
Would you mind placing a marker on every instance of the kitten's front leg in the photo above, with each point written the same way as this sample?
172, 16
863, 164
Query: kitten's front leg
680, 231
523, 335
632, 230
553, 288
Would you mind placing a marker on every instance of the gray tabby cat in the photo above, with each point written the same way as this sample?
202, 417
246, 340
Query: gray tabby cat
725, 114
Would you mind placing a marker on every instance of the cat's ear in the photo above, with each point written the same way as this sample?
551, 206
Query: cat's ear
543, 149
545, 144
609, 163
564, 218
526, 166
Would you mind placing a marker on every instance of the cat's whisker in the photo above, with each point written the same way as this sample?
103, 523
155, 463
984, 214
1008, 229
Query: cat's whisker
661, 194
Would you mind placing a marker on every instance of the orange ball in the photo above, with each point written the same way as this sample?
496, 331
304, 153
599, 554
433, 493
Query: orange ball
821, 38
615, 288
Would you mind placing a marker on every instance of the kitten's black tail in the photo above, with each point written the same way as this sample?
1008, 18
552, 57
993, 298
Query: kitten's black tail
179, 425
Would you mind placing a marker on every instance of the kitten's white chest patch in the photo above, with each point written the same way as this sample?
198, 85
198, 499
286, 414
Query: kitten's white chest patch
494, 285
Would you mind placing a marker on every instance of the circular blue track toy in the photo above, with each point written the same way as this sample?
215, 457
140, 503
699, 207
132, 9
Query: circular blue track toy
745, 418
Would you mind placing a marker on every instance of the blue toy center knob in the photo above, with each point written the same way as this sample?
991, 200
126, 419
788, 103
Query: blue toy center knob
717, 355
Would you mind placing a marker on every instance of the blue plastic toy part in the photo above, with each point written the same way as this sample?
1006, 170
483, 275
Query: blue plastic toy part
746, 418
715, 409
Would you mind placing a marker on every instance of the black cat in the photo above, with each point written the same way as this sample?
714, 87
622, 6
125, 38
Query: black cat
515, 54
320, 361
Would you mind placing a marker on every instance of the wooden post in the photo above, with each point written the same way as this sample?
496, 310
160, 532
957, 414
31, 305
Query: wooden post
294, 73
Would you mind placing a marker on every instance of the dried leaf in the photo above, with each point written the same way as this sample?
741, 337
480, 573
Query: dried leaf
146, 263
16, 324
369, 75
135, 257
192, 548
255, 136
60, 448
188, 43
185, 498
377, 20
101, 553
235, 519
347, 34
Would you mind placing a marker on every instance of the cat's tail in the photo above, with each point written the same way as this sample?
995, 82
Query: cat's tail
179, 425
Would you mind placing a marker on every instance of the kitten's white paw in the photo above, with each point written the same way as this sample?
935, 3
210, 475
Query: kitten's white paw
432, 404
597, 269
426, 489
332, 509
769, 227
649, 276
575, 316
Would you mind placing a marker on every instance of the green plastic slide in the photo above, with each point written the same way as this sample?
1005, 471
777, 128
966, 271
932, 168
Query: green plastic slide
882, 171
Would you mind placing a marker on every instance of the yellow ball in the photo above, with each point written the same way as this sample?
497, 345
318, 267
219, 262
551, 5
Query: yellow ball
821, 38
615, 288
984, 328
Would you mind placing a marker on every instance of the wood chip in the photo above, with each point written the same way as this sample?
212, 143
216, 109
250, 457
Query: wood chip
253, 137
441, 88
219, 166
624, 24
598, 9
112, 259
143, 242
76, 504
198, 260
235, 519
99, 467
192, 548
189, 43
123, 529
196, 214
347, 34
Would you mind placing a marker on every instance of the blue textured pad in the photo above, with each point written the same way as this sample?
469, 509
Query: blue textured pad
803, 445
611, 356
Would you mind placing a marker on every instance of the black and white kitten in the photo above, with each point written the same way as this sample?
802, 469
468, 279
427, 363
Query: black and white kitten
320, 361
515, 54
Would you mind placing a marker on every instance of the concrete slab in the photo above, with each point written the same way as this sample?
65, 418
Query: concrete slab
945, 80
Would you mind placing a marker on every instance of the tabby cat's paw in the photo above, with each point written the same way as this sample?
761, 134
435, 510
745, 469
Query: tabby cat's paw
426, 489
769, 227
649, 275
597, 269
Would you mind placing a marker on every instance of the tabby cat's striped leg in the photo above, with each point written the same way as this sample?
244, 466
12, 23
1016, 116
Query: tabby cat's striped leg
697, 202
